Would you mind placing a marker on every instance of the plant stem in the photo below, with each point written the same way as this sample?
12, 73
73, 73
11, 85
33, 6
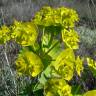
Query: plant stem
51, 48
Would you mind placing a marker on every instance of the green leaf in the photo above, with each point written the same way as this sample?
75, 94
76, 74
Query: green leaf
46, 41
54, 52
76, 90
42, 79
53, 29
38, 93
46, 59
37, 87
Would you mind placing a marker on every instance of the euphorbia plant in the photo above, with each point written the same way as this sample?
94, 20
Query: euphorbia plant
48, 43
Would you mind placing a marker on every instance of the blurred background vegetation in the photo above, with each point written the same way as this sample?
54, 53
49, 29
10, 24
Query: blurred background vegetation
24, 10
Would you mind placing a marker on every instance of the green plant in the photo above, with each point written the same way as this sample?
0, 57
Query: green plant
42, 55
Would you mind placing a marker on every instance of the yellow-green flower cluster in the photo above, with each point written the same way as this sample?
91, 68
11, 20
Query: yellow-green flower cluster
24, 33
68, 17
57, 87
70, 38
48, 16
29, 63
92, 65
4, 34
66, 64
64, 17
79, 65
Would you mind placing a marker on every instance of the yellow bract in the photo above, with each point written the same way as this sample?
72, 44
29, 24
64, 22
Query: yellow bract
91, 63
79, 65
21, 65
29, 63
70, 38
68, 16
49, 94
57, 87
63, 16
4, 34
64, 64
24, 33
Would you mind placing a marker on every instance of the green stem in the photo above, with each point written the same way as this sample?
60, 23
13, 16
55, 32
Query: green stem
51, 48
77, 89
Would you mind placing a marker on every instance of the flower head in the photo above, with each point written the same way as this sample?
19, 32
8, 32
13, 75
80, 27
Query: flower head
4, 34
48, 16
70, 38
57, 87
64, 64
29, 63
24, 33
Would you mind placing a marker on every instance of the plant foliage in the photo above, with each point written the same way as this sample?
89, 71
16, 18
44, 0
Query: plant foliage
48, 43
